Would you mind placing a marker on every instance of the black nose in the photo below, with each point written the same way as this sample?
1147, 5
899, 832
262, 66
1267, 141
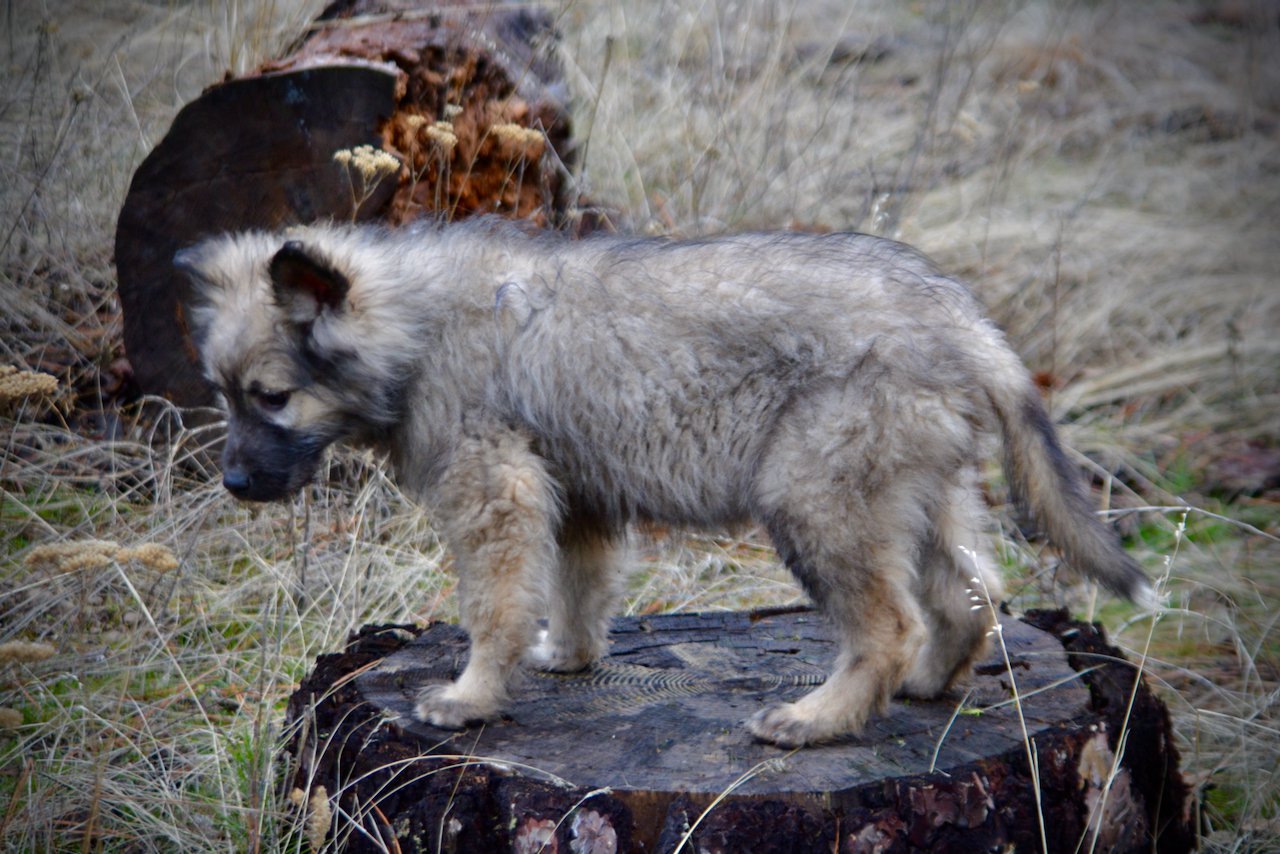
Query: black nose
237, 482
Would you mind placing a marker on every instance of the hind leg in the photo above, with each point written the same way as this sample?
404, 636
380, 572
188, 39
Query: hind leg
865, 592
853, 554
581, 598
955, 564
846, 490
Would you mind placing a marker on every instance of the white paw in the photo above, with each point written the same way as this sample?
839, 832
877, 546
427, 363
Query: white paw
787, 725
440, 706
780, 725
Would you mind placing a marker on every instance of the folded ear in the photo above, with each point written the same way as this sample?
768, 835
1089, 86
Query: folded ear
192, 262
306, 284
188, 261
195, 316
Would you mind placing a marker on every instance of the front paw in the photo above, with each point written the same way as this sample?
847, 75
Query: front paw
787, 726
443, 706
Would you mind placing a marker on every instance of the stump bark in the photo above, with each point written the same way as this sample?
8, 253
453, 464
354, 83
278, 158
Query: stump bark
647, 752
440, 86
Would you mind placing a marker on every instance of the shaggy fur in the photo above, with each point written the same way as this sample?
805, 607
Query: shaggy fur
539, 394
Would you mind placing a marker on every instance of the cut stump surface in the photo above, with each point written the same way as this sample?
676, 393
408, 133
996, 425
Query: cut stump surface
649, 746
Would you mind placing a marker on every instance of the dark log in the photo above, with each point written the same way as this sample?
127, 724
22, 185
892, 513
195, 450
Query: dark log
648, 750
257, 152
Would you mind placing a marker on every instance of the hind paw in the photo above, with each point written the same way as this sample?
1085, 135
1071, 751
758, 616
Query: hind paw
559, 658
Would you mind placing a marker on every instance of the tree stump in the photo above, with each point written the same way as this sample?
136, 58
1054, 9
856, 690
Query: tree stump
647, 751
442, 88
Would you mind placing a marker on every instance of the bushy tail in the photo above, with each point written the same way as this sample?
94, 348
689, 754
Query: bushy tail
1043, 480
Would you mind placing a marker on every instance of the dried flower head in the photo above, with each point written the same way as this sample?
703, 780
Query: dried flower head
15, 384
10, 718
95, 554
528, 142
319, 817
25, 652
452, 110
74, 556
373, 163
415, 121
441, 133
151, 555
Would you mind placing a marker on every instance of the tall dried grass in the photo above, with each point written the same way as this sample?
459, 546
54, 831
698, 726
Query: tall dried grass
1104, 173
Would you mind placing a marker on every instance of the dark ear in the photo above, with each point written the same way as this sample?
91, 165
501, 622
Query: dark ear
305, 284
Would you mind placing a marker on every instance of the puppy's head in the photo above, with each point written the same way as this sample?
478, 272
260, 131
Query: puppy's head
269, 320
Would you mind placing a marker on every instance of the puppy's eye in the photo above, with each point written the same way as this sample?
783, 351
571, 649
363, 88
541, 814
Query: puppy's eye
271, 401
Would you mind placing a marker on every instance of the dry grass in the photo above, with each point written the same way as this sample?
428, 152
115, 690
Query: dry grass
1106, 175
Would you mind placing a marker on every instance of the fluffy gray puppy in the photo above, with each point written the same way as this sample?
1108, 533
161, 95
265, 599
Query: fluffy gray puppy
538, 394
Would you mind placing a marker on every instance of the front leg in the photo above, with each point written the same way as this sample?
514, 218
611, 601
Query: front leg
498, 510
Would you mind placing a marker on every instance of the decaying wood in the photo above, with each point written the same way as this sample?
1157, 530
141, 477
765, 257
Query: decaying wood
647, 750
466, 95
473, 72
